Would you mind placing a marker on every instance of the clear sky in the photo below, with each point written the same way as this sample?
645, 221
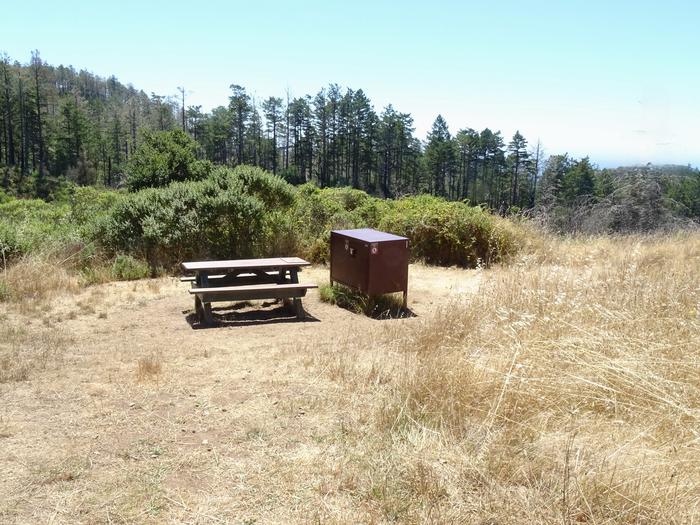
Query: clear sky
616, 80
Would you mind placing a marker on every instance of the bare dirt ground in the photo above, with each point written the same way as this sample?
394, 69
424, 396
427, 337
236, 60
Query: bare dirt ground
133, 414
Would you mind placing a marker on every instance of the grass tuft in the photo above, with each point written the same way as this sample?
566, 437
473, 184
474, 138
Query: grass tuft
149, 367
388, 306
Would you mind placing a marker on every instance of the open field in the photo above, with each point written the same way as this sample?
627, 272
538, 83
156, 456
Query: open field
563, 388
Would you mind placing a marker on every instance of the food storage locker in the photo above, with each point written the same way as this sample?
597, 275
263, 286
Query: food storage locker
371, 261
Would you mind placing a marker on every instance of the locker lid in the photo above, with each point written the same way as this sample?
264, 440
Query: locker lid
369, 235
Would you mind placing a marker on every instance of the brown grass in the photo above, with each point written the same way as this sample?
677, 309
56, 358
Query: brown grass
25, 349
33, 280
567, 390
149, 367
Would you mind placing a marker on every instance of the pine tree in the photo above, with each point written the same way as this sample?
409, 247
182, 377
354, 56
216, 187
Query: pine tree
440, 157
240, 108
518, 160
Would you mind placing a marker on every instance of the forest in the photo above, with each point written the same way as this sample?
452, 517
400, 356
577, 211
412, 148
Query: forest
61, 126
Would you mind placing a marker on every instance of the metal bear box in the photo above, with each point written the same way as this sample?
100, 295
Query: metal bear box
371, 261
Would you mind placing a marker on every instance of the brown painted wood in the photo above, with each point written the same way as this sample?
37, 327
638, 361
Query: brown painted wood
243, 264
251, 292
252, 287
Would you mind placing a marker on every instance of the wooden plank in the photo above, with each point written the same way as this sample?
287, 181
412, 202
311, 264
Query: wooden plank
192, 278
239, 264
251, 292
251, 287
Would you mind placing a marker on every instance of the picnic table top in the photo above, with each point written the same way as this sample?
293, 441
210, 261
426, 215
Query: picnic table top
244, 264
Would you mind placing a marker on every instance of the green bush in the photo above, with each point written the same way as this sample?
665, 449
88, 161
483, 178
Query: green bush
233, 213
163, 157
316, 212
449, 233
127, 268
273, 191
32, 225
242, 212
441, 232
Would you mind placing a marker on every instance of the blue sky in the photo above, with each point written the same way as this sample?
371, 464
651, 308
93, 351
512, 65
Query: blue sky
616, 80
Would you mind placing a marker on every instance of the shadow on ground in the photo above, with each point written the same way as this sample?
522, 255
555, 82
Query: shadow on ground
248, 314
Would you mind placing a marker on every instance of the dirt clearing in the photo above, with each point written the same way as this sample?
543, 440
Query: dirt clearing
115, 408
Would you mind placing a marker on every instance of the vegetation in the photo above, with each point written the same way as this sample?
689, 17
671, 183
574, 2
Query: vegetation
566, 390
387, 306
126, 268
58, 124
563, 389
231, 214
240, 212
165, 157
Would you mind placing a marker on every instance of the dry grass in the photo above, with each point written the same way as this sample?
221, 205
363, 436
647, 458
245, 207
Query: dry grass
567, 390
25, 349
149, 367
33, 280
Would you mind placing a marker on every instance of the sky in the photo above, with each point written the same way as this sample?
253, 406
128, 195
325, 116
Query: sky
615, 80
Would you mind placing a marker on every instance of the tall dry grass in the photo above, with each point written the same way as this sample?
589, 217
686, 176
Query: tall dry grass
25, 350
566, 391
34, 279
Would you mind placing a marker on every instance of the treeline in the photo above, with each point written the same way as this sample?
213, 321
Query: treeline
58, 123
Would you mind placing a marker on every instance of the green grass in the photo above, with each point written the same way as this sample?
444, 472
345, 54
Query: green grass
387, 306
127, 268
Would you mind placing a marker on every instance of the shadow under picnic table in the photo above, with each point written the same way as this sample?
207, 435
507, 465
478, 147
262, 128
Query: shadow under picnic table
246, 314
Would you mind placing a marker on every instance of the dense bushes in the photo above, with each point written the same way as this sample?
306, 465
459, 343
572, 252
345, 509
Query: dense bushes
316, 212
33, 225
228, 215
441, 232
165, 157
30, 225
241, 212
449, 233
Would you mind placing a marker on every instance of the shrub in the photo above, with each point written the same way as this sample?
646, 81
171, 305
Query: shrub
127, 268
317, 212
441, 232
449, 233
270, 189
32, 225
231, 214
164, 157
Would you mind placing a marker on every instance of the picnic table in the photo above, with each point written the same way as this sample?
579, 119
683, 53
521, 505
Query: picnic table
244, 280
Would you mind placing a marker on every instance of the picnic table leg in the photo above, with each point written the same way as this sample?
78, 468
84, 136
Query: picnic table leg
203, 309
281, 279
297, 308
203, 312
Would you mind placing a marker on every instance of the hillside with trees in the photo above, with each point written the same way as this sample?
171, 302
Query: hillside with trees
58, 125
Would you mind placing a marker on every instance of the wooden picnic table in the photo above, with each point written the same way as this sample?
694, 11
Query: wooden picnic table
246, 279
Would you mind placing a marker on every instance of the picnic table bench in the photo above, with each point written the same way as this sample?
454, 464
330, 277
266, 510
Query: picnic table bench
246, 279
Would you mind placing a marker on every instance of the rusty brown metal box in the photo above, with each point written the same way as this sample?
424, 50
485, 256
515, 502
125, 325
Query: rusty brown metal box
371, 261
